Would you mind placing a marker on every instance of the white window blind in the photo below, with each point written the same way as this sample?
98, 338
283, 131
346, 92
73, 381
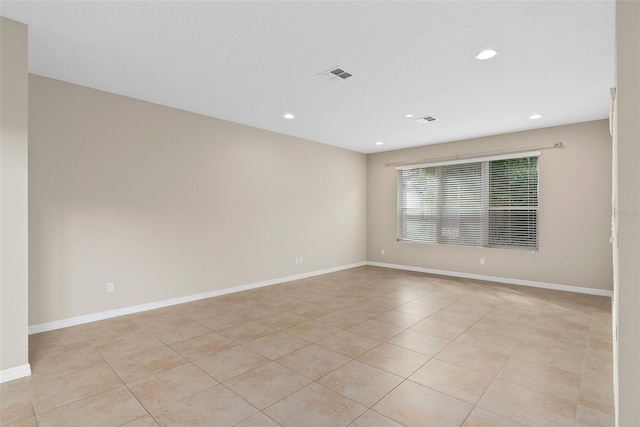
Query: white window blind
491, 203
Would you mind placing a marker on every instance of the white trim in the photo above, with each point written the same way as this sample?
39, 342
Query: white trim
11, 374
462, 161
79, 320
520, 282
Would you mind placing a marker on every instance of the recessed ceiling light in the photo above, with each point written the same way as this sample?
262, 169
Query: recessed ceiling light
408, 116
379, 143
289, 116
486, 54
535, 116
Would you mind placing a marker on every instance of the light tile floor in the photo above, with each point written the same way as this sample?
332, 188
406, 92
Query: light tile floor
362, 347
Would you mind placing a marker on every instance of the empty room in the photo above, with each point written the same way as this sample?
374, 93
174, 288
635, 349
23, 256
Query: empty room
320, 213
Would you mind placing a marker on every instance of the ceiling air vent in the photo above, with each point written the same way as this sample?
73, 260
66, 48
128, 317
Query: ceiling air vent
335, 73
425, 119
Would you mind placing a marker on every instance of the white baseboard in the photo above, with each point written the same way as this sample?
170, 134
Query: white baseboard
79, 320
544, 285
15, 373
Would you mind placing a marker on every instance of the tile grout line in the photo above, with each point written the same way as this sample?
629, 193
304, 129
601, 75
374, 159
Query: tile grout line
386, 341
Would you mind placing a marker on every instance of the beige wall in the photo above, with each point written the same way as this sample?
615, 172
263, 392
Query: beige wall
575, 200
13, 195
628, 292
166, 203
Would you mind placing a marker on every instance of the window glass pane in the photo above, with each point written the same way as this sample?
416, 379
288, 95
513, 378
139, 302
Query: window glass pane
513, 202
514, 182
462, 204
418, 208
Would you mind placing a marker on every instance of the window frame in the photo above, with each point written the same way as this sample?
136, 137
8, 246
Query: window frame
485, 208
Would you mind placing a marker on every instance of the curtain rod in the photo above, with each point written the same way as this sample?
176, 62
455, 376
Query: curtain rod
471, 156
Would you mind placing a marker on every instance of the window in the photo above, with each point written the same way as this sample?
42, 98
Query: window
489, 202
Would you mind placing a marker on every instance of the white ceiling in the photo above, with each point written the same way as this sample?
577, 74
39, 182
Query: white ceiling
251, 62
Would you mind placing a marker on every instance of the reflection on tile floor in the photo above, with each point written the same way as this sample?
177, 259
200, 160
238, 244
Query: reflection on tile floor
363, 347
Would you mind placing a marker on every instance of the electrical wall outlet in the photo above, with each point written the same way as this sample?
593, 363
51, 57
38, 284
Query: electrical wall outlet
110, 288
481, 261
382, 252
299, 260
